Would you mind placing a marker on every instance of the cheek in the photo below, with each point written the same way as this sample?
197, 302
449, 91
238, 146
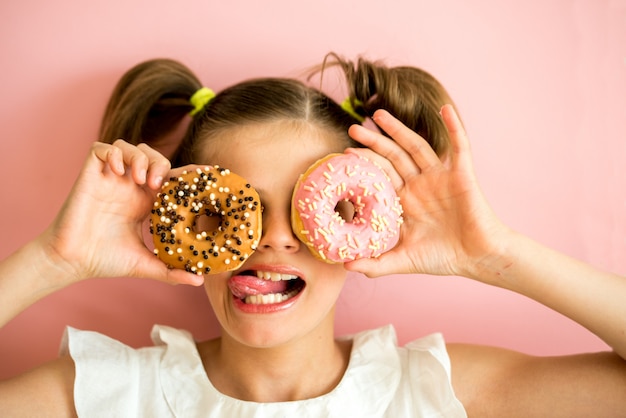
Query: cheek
332, 278
216, 289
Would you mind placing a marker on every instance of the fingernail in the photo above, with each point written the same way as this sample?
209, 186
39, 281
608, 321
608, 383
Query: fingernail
119, 166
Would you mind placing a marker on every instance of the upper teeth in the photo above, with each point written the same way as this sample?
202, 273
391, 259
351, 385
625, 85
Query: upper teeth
273, 276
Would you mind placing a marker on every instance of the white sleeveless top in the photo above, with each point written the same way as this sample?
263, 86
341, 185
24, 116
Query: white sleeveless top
168, 380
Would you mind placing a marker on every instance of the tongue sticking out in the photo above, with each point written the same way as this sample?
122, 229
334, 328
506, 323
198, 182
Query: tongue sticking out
242, 286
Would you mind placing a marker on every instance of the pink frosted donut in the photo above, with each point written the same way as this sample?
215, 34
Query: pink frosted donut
344, 207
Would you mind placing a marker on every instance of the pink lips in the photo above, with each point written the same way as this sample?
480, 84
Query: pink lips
246, 285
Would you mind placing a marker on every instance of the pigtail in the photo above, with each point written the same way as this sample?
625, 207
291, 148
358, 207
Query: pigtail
411, 94
149, 101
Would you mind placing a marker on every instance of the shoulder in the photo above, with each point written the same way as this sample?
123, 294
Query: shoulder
93, 346
111, 374
492, 381
424, 387
47, 390
107, 361
478, 373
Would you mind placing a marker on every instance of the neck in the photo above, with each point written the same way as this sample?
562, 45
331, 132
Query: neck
305, 368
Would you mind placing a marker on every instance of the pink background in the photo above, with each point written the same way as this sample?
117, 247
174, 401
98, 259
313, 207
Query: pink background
541, 87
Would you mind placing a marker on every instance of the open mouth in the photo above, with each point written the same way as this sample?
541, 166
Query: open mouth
256, 287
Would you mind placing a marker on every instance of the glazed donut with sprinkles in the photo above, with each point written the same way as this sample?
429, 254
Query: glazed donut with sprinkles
344, 207
218, 194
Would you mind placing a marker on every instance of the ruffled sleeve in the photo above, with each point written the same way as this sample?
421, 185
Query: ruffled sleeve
426, 389
113, 379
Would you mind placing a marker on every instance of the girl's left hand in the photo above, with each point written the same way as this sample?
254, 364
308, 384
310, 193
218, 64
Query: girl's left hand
448, 225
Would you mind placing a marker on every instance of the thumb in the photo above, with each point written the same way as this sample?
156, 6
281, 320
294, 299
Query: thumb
154, 268
373, 267
177, 276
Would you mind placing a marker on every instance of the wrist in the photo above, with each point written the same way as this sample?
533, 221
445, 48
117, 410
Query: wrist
29, 274
53, 264
489, 263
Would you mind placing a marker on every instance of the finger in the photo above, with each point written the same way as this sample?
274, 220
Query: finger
459, 142
384, 163
177, 276
135, 159
110, 156
416, 146
154, 268
158, 166
375, 267
399, 158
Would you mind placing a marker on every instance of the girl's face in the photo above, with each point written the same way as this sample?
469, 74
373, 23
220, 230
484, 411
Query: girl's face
271, 157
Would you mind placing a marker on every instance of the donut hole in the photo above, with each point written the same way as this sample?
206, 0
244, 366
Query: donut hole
207, 222
346, 210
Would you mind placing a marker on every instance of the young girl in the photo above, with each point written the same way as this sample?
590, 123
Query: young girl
283, 360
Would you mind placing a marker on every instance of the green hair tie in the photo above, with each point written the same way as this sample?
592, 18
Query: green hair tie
346, 105
200, 99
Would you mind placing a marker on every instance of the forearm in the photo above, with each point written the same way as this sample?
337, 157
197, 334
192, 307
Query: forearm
593, 298
29, 274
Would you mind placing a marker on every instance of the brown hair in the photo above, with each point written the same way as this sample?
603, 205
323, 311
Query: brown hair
149, 101
153, 97
411, 94
259, 101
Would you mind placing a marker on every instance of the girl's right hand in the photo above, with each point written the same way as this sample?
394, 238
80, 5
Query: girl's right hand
98, 232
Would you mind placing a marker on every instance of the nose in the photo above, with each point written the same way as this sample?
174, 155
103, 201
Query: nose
277, 233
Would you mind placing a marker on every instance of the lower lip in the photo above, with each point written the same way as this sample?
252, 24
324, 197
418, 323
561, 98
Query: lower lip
251, 308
